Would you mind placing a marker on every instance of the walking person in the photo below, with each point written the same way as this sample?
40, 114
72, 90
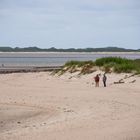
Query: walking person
104, 80
97, 79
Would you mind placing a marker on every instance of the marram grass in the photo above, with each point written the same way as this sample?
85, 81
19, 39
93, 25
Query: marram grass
115, 64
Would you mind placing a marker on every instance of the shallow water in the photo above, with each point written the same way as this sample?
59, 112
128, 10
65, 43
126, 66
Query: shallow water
54, 59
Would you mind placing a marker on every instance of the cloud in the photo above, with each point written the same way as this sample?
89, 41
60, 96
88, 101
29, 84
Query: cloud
65, 23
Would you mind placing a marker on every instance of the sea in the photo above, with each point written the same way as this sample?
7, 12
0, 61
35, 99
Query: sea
43, 59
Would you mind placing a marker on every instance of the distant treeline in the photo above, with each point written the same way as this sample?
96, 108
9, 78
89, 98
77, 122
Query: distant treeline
36, 49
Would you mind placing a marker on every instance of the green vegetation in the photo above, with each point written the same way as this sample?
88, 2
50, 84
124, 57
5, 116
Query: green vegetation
112, 61
107, 64
79, 63
118, 64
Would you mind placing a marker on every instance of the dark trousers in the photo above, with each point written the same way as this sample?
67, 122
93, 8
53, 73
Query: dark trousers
104, 83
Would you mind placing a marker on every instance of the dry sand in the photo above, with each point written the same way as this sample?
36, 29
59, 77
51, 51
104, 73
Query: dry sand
39, 106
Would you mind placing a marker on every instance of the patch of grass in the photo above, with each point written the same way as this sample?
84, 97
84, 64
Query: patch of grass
119, 64
111, 60
78, 63
137, 62
107, 67
126, 67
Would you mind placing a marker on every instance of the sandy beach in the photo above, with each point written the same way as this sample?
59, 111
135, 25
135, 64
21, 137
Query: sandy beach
42, 106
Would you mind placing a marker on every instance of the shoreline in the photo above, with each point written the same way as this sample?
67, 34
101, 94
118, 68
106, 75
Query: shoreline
24, 69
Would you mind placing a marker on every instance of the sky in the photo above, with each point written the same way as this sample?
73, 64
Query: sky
70, 23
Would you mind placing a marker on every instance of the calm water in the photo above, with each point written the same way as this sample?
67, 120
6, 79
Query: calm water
53, 59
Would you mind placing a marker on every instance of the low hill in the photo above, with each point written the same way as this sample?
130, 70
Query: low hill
36, 49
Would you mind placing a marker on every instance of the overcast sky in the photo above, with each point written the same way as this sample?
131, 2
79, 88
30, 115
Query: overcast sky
70, 23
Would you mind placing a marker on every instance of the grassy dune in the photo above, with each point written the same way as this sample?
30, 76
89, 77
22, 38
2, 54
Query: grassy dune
107, 64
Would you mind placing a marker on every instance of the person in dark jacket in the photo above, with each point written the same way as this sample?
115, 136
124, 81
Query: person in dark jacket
104, 80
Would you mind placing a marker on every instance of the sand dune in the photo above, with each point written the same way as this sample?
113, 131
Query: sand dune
41, 106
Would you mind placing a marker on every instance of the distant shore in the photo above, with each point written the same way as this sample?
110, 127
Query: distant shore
70, 52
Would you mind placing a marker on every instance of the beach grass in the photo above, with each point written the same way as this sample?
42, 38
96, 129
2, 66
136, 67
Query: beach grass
108, 64
79, 63
119, 64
